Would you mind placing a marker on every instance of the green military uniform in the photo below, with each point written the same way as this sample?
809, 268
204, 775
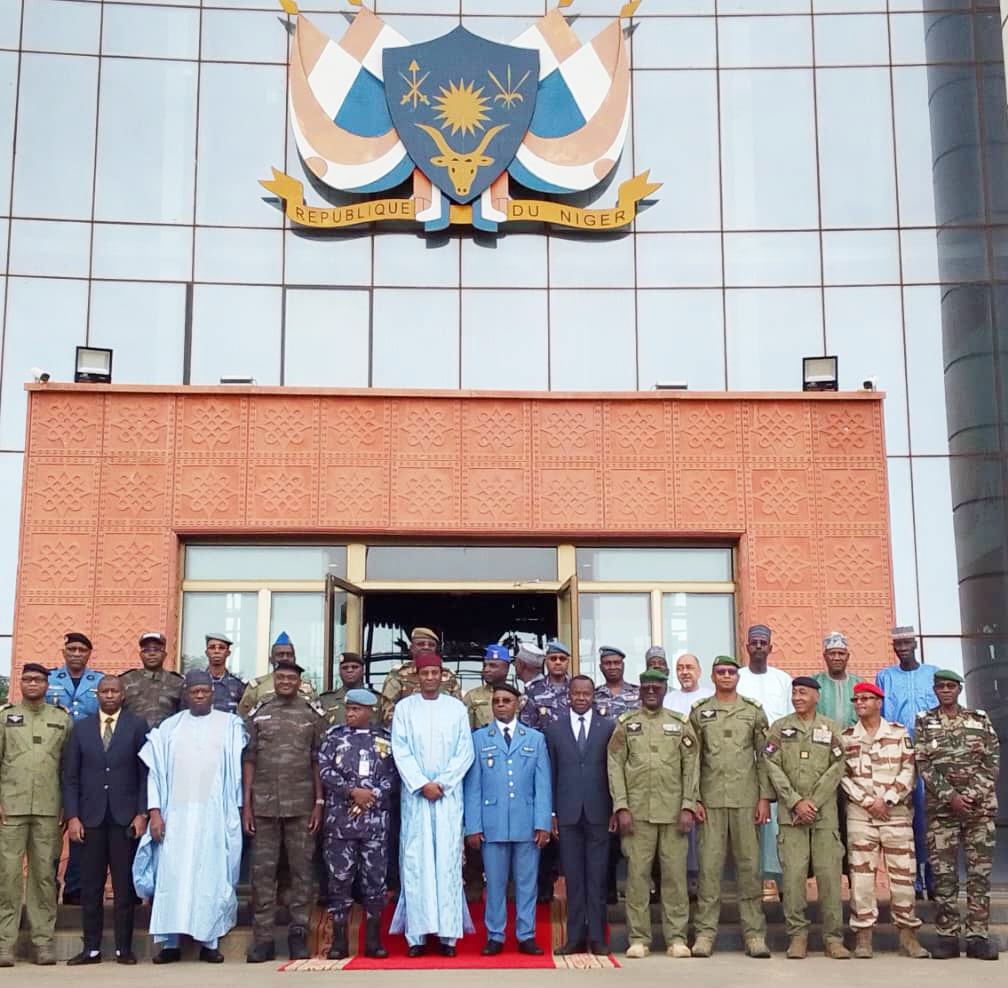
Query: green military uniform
805, 760
403, 681
261, 689
479, 703
732, 779
652, 765
333, 704
32, 737
153, 694
959, 754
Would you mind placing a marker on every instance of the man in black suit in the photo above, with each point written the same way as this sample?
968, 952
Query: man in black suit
582, 815
105, 805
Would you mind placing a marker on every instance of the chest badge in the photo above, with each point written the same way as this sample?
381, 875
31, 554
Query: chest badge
789, 733
635, 728
14, 719
708, 714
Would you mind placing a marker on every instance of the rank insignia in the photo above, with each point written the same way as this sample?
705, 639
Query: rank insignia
803, 754
907, 743
837, 751
672, 728
687, 742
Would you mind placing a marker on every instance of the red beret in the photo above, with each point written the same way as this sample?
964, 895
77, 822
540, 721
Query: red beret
425, 659
870, 688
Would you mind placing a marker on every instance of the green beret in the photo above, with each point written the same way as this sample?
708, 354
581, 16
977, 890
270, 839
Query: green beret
726, 660
653, 676
950, 674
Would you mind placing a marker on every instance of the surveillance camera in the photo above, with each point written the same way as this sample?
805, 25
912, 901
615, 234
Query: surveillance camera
40, 376
870, 384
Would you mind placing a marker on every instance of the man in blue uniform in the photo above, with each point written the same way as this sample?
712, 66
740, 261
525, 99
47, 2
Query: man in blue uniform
909, 690
508, 805
228, 689
75, 687
359, 778
615, 696
546, 699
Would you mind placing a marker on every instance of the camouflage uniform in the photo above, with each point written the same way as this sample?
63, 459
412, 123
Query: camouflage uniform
959, 755
262, 689
355, 844
284, 739
545, 702
403, 681
333, 704
880, 766
154, 695
609, 705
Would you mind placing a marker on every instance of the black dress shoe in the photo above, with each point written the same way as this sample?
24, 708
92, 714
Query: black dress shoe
211, 955
416, 950
492, 948
571, 948
84, 957
530, 947
125, 957
168, 955
598, 949
260, 953
447, 950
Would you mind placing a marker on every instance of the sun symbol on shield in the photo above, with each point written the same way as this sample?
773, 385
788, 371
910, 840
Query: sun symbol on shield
462, 107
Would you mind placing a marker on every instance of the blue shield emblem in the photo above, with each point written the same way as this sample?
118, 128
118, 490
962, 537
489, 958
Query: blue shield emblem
461, 106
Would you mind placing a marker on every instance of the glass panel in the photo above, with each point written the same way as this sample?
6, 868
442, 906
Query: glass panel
152, 32
680, 337
232, 614
402, 260
701, 623
264, 562
860, 257
416, 339
758, 259
936, 555
233, 36
929, 429
8, 98
38, 247
654, 565
309, 254
301, 615
914, 152
61, 27
581, 262
679, 260
621, 619
851, 40
236, 333
745, 42
471, 562
592, 341
146, 252
327, 339
10, 483
239, 256
675, 43
512, 259
901, 521
505, 340
10, 23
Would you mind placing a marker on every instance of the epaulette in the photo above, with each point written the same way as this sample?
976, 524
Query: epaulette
675, 714
262, 703
697, 704
980, 713
896, 723
254, 683
5, 706
172, 672
750, 700
848, 731
626, 715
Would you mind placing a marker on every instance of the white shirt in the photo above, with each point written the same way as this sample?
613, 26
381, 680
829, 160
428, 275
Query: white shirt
771, 688
512, 727
681, 702
576, 719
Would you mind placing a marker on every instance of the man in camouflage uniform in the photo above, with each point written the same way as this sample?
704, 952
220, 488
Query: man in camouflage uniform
403, 680
32, 737
152, 691
805, 763
228, 689
333, 702
282, 805
879, 783
359, 776
734, 800
614, 696
957, 757
261, 688
479, 700
547, 700
652, 765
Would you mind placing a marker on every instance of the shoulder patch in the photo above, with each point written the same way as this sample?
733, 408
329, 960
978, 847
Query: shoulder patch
770, 748
848, 731
172, 672
907, 743
625, 716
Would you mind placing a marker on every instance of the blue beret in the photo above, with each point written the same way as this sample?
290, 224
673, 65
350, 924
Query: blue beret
497, 652
557, 646
363, 698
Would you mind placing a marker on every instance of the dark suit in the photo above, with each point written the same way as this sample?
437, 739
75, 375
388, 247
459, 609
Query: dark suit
583, 806
105, 790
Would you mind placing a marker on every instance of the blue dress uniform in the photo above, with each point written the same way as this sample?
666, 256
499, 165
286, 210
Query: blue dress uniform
508, 796
81, 700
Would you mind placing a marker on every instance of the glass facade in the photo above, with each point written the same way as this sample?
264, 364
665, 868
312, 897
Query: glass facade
810, 150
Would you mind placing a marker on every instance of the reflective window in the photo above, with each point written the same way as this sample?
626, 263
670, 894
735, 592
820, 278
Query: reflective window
768, 332
962, 255
590, 262
10, 479
860, 257
678, 260
145, 325
236, 333
851, 40
768, 149
620, 619
856, 148
901, 528
8, 97
234, 36
401, 259
936, 554
592, 341
326, 338
264, 562
675, 43
153, 253
242, 122
10, 23
302, 616
254, 256
907, 35
680, 337
415, 341
703, 624
763, 7
38, 247
309, 257
745, 42
150, 32
232, 614
58, 95
919, 254
505, 340
925, 370
513, 259
59, 26
471, 562
772, 259
654, 565
146, 141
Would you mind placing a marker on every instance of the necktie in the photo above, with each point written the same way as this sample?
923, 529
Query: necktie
582, 738
106, 738
507, 736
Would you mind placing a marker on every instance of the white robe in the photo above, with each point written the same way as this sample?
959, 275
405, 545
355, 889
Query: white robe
431, 742
195, 780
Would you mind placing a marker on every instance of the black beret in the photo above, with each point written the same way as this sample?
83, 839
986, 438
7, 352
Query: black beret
507, 688
35, 667
76, 636
285, 665
808, 681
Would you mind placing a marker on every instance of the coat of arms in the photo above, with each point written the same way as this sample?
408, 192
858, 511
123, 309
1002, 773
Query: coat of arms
460, 117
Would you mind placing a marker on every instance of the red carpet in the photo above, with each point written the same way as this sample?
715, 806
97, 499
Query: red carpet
469, 947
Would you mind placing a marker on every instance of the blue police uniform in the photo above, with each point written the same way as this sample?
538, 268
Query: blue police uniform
80, 700
508, 796
544, 703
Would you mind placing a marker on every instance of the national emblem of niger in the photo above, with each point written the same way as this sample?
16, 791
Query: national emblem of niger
456, 121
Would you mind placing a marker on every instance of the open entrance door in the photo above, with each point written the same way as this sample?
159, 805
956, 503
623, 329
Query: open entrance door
569, 620
343, 609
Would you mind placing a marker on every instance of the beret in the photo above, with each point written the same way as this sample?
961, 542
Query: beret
363, 698
498, 653
611, 650
870, 688
806, 681
35, 667
557, 646
506, 688
76, 636
152, 636
288, 666
725, 660
653, 676
348, 657
949, 674
216, 636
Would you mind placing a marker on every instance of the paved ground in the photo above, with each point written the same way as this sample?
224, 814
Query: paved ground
721, 971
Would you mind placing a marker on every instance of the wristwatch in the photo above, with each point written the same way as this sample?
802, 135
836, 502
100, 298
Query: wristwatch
320, 802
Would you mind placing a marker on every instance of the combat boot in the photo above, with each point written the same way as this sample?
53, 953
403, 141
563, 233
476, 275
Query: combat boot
372, 938
798, 947
339, 948
981, 949
6, 956
45, 954
703, 946
909, 945
638, 950
756, 947
945, 948
297, 944
259, 953
678, 949
836, 950
863, 944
